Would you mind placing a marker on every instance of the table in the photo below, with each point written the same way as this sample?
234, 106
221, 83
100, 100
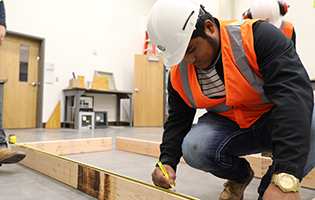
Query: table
77, 92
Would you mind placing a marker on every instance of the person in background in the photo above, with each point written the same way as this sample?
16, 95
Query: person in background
272, 11
6, 156
256, 91
2, 22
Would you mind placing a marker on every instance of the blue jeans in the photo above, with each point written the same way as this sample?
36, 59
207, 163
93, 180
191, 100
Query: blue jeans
215, 143
3, 142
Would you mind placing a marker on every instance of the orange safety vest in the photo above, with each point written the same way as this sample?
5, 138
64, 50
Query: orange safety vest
286, 28
245, 100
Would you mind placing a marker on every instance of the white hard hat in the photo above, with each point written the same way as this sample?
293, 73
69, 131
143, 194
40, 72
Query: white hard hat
267, 10
170, 27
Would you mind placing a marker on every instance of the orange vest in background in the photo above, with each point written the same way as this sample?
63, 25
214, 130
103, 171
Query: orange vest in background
286, 28
245, 100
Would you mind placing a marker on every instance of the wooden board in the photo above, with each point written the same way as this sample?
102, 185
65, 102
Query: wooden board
65, 147
259, 164
54, 120
96, 182
49, 165
138, 146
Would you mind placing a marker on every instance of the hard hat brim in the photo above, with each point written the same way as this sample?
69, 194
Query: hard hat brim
175, 59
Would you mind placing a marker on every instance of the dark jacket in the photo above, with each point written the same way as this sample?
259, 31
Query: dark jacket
287, 85
2, 14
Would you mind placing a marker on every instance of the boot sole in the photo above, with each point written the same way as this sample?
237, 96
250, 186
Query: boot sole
13, 159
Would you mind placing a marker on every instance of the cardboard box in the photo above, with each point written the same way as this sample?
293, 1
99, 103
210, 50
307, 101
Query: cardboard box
100, 82
74, 83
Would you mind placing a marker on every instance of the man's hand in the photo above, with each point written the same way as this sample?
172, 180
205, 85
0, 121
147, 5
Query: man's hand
2, 34
273, 192
160, 180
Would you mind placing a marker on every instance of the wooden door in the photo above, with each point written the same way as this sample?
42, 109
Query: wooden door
148, 92
19, 64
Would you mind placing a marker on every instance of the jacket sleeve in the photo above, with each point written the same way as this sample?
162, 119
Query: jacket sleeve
288, 86
176, 127
2, 14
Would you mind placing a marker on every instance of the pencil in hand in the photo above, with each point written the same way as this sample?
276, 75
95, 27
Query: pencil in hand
166, 174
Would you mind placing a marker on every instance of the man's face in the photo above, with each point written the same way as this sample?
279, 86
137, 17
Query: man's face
202, 52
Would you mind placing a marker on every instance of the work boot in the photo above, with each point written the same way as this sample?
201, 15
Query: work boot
233, 190
9, 157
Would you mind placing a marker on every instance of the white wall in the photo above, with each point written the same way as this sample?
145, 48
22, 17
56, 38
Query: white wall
73, 29
212, 6
302, 15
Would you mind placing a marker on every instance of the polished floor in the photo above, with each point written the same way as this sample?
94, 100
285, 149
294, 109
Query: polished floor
18, 182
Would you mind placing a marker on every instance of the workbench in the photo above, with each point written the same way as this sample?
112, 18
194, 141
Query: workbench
77, 92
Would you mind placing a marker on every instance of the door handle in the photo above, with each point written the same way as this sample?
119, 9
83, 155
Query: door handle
33, 84
137, 90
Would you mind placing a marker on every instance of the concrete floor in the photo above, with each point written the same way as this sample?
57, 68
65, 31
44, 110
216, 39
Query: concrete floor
21, 183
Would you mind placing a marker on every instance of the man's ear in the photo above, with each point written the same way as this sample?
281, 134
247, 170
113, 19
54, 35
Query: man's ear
209, 26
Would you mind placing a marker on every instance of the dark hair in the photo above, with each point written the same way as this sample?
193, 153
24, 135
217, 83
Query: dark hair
200, 25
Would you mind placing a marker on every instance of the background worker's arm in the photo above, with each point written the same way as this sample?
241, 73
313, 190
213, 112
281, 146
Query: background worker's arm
2, 22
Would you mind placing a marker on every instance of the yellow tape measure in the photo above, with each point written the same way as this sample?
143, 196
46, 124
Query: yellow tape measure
12, 138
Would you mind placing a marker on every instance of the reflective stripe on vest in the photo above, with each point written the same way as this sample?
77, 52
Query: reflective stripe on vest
183, 69
241, 60
220, 108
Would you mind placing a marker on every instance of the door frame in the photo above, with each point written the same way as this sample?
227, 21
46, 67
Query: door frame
40, 82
